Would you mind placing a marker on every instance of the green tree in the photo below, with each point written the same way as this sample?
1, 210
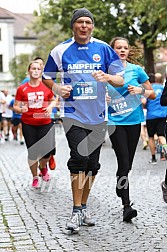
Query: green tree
141, 21
18, 67
147, 22
49, 34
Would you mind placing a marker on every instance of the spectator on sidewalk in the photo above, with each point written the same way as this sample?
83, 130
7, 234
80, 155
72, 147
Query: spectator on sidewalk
35, 102
125, 114
86, 64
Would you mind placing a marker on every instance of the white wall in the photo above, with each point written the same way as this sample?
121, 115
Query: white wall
10, 48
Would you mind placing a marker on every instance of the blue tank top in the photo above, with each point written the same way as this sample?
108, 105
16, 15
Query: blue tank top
124, 108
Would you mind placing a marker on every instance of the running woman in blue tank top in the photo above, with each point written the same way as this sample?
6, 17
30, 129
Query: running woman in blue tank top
125, 114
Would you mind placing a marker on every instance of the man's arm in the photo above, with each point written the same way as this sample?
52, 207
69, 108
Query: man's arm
114, 80
57, 89
48, 83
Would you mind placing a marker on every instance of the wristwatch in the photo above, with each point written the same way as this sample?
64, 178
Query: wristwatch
143, 90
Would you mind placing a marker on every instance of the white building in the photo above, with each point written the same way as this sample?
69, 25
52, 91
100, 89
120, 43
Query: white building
13, 41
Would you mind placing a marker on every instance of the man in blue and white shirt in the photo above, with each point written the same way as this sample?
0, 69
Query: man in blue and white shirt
85, 66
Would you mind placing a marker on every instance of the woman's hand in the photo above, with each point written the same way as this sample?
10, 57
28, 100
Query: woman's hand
134, 90
48, 110
24, 108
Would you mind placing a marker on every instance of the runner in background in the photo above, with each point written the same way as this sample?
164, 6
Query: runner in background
35, 102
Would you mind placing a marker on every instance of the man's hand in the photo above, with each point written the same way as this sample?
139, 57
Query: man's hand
100, 76
63, 91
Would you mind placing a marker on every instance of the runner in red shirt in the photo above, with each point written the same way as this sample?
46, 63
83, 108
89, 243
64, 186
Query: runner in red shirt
35, 102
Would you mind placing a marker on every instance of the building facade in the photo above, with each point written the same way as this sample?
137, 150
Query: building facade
13, 41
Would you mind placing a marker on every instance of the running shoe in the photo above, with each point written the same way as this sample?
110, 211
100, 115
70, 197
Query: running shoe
162, 156
52, 163
75, 222
129, 213
164, 191
87, 219
44, 174
35, 183
7, 137
153, 161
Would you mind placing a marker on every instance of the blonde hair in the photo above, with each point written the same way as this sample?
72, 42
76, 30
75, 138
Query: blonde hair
32, 62
135, 53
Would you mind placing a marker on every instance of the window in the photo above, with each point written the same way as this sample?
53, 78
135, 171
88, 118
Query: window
1, 64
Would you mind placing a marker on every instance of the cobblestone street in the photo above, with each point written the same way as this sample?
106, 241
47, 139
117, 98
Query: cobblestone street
34, 220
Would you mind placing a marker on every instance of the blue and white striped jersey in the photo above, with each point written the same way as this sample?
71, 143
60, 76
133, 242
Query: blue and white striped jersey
75, 64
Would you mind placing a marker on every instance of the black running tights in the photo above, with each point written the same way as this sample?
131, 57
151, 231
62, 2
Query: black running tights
124, 141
